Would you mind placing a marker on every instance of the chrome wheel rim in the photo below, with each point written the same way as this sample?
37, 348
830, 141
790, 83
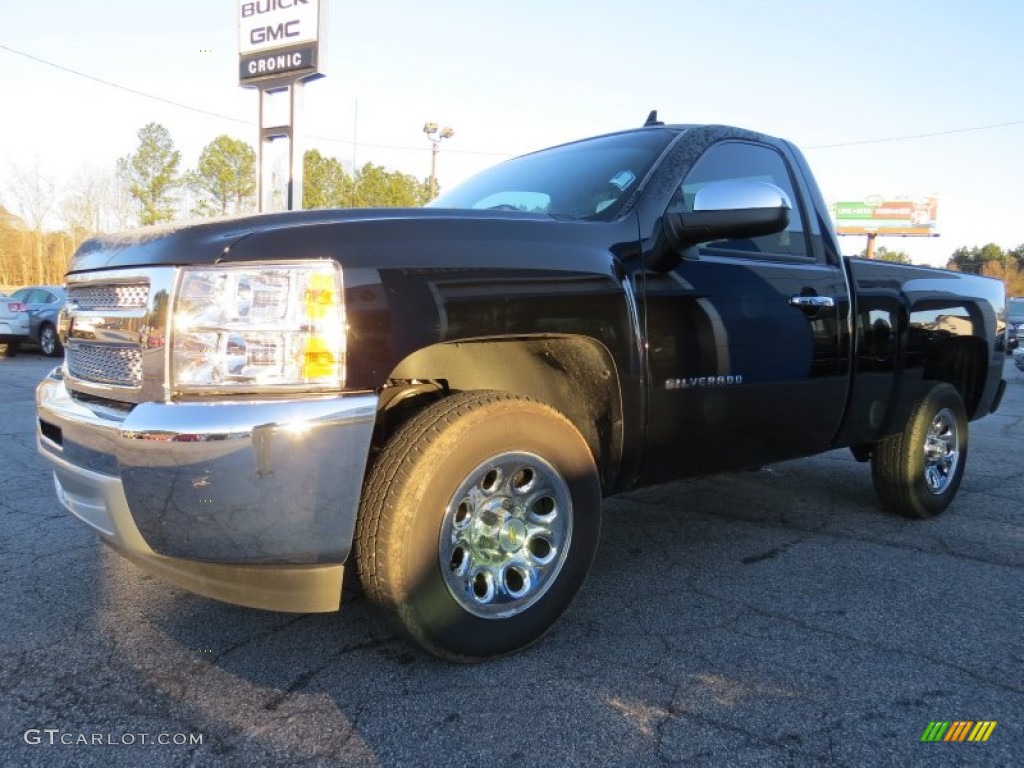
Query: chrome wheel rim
47, 341
941, 451
505, 535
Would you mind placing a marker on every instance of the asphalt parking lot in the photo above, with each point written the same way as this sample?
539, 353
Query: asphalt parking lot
772, 618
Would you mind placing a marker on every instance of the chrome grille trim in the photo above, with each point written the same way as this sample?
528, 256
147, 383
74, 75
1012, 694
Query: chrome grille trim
114, 327
115, 296
120, 366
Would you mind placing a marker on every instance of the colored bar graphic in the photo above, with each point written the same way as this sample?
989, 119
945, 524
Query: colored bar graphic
959, 730
982, 730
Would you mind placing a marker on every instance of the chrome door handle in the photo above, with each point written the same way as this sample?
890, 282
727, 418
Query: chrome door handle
812, 302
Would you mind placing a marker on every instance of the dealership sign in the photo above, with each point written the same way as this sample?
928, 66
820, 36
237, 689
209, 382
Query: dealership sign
278, 38
895, 215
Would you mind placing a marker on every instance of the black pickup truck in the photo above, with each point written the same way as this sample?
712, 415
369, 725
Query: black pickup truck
442, 396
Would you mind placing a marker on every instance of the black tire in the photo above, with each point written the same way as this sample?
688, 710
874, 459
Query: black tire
11, 348
49, 342
450, 495
918, 471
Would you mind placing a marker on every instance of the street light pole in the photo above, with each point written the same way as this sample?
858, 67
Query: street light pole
433, 168
435, 135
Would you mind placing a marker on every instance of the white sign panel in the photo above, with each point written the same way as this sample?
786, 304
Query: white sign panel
264, 25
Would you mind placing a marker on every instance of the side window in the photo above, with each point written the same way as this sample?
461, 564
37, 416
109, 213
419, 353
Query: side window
740, 160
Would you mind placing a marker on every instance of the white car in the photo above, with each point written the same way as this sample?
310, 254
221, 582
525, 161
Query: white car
14, 324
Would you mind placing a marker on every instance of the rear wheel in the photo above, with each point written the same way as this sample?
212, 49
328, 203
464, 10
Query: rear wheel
478, 524
49, 342
918, 472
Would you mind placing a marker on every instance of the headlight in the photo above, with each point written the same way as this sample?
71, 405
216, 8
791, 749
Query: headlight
257, 327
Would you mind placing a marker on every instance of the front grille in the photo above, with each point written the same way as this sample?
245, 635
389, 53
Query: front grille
121, 366
115, 327
114, 296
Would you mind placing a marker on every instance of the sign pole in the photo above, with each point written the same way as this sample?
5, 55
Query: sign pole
259, 159
288, 131
294, 154
280, 49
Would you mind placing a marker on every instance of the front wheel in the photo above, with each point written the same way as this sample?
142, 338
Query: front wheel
918, 471
478, 524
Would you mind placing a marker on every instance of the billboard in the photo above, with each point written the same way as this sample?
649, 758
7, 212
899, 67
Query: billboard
278, 38
892, 215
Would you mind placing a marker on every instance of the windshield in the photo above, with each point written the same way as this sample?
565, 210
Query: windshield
1015, 309
590, 179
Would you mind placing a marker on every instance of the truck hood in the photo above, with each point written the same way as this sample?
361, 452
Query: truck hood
213, 241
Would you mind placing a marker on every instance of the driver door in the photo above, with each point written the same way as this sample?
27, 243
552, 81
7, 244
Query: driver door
744, 337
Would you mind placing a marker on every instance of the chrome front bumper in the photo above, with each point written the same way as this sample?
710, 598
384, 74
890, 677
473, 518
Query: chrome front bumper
250, 502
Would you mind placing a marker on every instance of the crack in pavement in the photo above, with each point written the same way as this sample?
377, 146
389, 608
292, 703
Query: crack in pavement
824, 532
859, 641
302, 680
260, 636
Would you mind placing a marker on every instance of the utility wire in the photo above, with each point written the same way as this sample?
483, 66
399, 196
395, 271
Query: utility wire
249, 123
919, 135
407, 148
124, 87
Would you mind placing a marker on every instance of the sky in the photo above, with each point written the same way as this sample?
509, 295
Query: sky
846, 82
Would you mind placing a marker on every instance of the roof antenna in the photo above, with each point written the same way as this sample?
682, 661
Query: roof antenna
652, 119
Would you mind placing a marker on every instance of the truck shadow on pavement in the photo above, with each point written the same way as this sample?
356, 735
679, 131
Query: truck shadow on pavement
715, 609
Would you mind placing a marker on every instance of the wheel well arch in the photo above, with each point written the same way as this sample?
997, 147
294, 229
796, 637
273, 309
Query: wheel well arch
962, 362
575, 375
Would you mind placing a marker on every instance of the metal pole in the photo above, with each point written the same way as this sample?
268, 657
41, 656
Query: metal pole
290, 196
259, 159
355, 145
295, 169
433, 169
